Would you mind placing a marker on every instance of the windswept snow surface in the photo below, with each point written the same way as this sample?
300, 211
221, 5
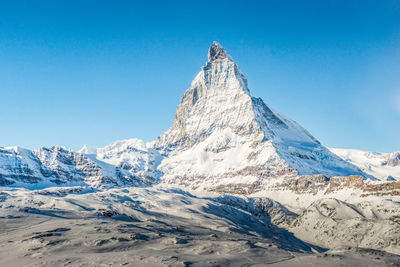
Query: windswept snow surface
157, 226
336, 224
137, 227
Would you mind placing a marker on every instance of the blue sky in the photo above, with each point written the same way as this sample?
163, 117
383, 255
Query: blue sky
92, 72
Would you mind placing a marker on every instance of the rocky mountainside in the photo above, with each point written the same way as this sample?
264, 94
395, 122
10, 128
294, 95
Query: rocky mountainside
132, 155
58, 166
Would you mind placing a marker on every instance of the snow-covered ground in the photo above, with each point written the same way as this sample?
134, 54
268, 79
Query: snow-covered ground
157, 226
139, 227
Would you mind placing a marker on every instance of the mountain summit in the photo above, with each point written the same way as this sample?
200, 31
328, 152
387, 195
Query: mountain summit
216, 51
219, 99
222, 135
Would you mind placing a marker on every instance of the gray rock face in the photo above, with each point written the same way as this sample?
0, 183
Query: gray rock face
216, 51
18, 164
275, 212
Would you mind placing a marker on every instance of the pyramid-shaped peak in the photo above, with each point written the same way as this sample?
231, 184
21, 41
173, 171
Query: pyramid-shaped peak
216, 51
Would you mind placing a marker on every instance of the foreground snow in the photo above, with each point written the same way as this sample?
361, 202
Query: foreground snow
167, 226
139, 227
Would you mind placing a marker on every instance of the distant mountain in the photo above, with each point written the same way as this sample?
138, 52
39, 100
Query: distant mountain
58, 166
384, 166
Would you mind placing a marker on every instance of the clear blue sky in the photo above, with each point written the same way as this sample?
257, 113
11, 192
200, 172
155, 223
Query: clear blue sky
91, 72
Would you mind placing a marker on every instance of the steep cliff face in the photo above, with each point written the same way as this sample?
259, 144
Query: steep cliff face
221, 135
18, 164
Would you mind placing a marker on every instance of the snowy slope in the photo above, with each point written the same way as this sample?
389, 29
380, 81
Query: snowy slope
138, 227
336, 224
385, 166
161, 225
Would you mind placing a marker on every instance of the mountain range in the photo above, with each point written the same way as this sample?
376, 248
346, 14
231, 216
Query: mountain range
254, 181
221, 135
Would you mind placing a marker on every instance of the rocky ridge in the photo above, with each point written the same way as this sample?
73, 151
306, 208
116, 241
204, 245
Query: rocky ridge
58, 166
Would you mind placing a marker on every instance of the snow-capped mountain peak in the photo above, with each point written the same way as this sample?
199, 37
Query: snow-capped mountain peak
87, 150
221, 130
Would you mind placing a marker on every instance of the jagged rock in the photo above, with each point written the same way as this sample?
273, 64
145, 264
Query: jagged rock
216, 51
58, 166
306, 184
